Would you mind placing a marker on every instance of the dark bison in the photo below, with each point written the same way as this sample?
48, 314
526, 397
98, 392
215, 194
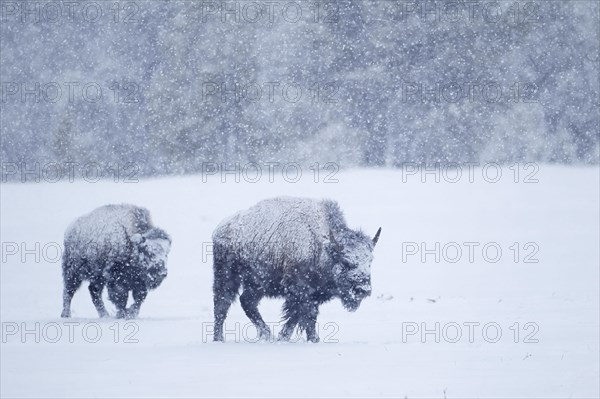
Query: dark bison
116, 246
295, 248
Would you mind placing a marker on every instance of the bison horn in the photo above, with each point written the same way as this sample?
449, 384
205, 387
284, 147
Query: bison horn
376, 238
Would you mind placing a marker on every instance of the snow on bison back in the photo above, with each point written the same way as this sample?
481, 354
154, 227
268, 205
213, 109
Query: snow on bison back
116, 246
296, 248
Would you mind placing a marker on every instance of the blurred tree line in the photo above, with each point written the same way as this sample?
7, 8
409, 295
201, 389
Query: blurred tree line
170, 85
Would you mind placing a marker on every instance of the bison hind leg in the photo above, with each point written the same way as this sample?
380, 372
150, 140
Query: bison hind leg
226, 286
72, 282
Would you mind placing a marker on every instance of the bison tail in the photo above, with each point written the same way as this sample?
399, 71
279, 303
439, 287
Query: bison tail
65, 258
69, 264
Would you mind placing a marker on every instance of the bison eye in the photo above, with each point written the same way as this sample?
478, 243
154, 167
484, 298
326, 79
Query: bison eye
348, 265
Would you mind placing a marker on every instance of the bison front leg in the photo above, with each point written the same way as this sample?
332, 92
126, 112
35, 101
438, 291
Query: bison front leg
118, 295
249, 300
308, 320
96, 288
139, 295
288, 329
291, 314
311, 332
302, 312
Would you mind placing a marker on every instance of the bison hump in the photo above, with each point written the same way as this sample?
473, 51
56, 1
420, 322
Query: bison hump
287, 230
106, 229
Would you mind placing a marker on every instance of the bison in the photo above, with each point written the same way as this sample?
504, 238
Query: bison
296, 248
116, 246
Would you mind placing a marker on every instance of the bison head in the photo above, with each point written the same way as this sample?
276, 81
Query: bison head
352, 254
153, 248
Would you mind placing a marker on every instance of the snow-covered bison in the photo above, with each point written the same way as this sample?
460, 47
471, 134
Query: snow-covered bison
116, 246
295, 248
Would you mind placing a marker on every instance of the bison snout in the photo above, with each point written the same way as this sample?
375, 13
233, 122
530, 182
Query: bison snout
156, 277
351, 305
362, 292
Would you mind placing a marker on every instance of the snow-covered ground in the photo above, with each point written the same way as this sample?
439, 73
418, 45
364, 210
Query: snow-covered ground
550, 308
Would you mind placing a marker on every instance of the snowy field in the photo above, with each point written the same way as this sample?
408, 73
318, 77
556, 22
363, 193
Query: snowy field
507, 326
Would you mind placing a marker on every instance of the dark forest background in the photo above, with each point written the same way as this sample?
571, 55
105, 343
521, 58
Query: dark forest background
357, 82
